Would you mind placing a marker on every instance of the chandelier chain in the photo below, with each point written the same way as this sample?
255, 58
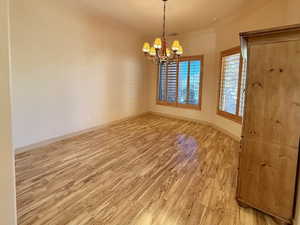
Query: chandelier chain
160, 51
164, 23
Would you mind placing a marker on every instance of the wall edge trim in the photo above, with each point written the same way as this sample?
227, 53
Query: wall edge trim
77, 133
222, 130
73, 134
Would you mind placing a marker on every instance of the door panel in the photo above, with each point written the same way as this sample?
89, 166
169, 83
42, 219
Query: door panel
271, 130
273, 93
268, 176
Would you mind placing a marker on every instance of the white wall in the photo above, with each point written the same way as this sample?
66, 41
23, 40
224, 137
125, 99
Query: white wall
7, 177
71, 71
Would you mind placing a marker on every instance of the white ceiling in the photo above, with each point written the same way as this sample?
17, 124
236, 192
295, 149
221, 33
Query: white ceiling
182, 15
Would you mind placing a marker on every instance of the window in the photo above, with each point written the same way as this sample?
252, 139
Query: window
179, 82
232, 85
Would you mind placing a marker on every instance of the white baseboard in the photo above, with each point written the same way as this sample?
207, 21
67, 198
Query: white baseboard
224, 131
74, 134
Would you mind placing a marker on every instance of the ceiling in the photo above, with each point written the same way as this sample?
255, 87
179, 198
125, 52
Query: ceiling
182, 15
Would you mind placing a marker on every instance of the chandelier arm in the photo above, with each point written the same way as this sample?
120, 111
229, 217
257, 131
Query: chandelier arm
157, 53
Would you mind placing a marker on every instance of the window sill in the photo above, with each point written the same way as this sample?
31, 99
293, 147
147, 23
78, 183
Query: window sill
183, 106
231, 117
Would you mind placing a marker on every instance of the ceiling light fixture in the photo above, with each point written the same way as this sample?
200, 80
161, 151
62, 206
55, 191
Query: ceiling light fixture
160, 52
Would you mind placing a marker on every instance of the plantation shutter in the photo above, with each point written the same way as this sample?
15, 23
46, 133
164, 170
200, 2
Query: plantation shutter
232, 85
229, 83
194, 82
171, 82
179, 82
189, 79
183, 82
243, 87
162, 92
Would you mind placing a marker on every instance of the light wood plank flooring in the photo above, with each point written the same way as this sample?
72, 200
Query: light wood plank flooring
146, 171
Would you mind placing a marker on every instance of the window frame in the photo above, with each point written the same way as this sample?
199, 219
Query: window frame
234, 117
176, 104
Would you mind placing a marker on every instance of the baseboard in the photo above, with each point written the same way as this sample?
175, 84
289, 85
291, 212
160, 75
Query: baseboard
74, 134
180, 117
228, 133
222, 130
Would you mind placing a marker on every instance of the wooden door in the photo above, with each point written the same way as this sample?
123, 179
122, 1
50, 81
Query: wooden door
271, 131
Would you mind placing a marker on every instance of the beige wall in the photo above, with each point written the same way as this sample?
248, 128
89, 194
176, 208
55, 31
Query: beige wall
227, 33
195, 43
71, 71
293, 15
223, 35
7, 178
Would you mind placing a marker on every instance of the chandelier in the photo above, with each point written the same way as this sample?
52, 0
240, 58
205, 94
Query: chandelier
160, 52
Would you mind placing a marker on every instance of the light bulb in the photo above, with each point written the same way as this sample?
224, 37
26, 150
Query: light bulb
157, 43
168, 51
175, 45
180, 50
152, 51
146, 47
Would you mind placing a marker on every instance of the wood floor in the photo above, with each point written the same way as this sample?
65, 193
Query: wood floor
146, 171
